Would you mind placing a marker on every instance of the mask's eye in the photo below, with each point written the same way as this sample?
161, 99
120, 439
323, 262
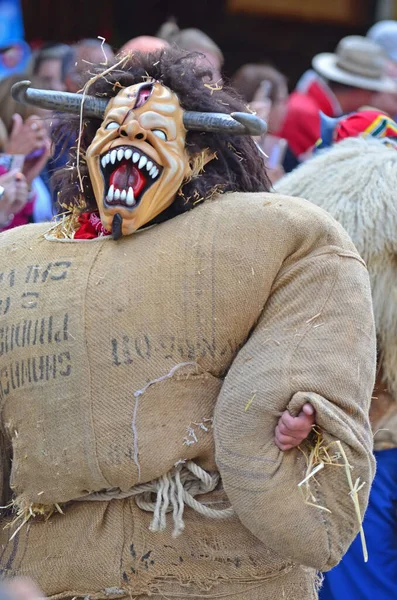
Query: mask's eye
160, 134
112, 125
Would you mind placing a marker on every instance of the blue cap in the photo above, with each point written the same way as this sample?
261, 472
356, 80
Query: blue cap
384, 33
327, 128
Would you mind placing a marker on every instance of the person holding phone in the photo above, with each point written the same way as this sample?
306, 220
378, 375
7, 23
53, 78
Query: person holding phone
13, 197
26, 147
266, 91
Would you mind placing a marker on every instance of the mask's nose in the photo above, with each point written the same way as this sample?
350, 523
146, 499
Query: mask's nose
133, 130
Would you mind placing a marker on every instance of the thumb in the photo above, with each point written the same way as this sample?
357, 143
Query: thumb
308, 409
10, 176
17, 123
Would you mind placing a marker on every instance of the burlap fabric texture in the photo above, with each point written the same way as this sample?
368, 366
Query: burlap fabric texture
113, 356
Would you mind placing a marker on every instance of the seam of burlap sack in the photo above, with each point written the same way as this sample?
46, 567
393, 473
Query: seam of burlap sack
331, 251
51, 238
86, 287
101, 238
156, 587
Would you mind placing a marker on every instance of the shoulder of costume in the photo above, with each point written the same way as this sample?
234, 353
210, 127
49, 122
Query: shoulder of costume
24, 234
272, 215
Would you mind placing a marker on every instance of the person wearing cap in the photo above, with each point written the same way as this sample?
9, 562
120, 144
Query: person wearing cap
339, 83
363, 123
384, 33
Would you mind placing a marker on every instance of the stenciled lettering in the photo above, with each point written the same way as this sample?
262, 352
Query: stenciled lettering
54, 271
33, 370
5, 305
29, 299
125, 349
8, 278
34, 332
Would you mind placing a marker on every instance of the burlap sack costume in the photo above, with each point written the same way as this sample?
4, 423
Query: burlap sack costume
357, 183
114, 358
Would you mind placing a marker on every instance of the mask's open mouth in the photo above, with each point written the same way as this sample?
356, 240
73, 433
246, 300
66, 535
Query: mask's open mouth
128, 173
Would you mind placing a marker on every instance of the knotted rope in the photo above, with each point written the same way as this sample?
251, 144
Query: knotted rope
173, 490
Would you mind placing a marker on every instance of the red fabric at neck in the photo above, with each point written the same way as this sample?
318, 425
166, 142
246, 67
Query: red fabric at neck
90, 227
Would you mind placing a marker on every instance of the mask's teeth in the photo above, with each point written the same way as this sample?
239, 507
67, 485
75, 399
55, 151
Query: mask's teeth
113, 156
103, 162
110, 195
152, 172
120, 154
123, 195
135, 157
130, 200
142, 162
117, 195
128, 154
149, 165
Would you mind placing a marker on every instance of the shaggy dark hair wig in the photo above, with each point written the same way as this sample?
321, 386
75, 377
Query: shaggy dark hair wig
238, 165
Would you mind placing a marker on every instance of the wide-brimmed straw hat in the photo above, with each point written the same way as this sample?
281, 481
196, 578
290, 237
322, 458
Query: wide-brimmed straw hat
357, 62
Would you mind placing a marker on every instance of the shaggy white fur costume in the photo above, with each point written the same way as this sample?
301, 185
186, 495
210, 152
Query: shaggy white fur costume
356, 182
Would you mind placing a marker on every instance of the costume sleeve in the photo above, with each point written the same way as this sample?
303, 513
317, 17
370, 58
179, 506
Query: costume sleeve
315, 341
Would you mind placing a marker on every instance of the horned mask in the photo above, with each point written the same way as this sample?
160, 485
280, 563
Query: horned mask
138, 160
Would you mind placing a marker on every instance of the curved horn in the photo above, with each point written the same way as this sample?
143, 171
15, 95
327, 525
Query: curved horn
59, 101
253, 124
237, 123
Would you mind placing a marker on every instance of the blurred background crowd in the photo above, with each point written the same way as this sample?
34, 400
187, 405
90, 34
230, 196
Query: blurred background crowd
297, 63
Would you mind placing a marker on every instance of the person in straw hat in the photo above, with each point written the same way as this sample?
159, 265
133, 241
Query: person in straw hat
354, 178
160, 344
339, 83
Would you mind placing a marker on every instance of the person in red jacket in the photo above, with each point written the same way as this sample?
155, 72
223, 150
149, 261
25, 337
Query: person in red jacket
340, 83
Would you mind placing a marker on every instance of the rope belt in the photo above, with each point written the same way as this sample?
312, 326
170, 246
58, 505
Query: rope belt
173, 490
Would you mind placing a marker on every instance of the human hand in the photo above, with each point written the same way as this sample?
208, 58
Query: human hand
262, 108
291, 431
15, 195
33, 166
21, 192
25, 137
20, 588
275, 174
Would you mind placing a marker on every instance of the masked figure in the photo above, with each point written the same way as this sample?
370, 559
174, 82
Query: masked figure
150, 340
